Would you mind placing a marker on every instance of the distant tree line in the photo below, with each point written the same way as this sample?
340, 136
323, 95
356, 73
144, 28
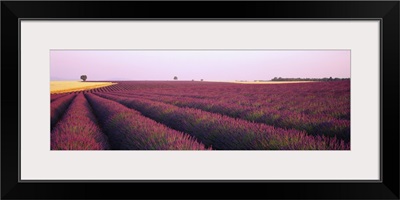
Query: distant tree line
308, 79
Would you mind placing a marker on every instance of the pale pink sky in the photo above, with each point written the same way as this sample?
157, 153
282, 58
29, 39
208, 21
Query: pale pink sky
194, 64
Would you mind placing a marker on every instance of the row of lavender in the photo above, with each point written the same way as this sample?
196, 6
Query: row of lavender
225, 133
323, 120
148, 86
82, 122
331, 99
54, 97
78, 129
128, 129
316, 98
313, 125
193, 102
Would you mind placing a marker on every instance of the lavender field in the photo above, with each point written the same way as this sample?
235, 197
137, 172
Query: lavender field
197, 115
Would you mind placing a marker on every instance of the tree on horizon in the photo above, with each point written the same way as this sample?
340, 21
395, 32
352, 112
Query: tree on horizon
84, 77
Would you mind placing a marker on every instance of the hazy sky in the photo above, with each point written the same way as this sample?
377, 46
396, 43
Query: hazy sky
188, 65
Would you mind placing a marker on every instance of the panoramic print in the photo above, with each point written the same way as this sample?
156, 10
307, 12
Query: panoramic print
200, 99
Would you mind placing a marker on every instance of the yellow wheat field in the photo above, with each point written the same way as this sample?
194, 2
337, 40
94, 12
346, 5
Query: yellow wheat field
72, 86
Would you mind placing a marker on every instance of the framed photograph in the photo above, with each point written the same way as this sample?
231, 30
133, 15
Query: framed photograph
290, 96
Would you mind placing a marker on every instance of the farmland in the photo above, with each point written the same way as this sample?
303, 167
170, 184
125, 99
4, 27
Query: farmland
197, 115
72, 86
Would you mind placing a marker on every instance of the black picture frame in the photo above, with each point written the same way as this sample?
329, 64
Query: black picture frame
386, 11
